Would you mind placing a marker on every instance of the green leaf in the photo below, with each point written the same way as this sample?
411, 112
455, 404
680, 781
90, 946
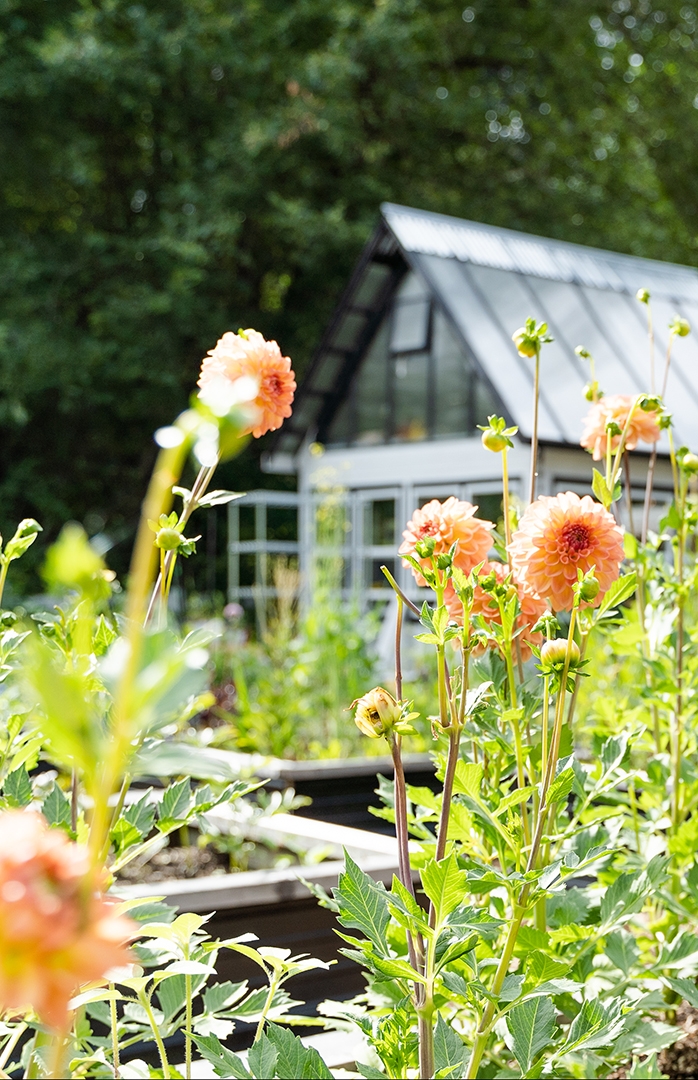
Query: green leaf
531, 1026
394, 968
176, 803
468, 778
405, 908
449, 1050
222, 995
363, 903
677, 952
295, 1061
17, 788
540, 967
601, 488
621, 950
219, 498
56, 808
647, 1069
445, 884
262, 1057
619, 591
560, 787
369, 1072
594, 1026
224, 1062
686, 988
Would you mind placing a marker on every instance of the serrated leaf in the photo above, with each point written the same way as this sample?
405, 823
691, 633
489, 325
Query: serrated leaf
363, 903
445, 884
676, 952
686, 988
295, 1061
262, 1057
531, 1026
225, 1063
394, 968
468, 778
56, 808
540, 967
601, 488
17, 788
621, 950
622, 588
176, 803
449, 1050
222, 995
594, 1026
560, 787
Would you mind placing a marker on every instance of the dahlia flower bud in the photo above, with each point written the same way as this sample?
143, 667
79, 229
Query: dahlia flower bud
529, 338
424, 549
643, 295
496, 435
553, 654
582, 352
169, 539
55, 935
689, 463
588, 588
679, 327
378, 713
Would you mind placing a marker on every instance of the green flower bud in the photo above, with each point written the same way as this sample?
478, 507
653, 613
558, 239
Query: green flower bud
679, 327
168, 539
491, 440
424, 548
589, 589
689, 463
378, 713
444, 561
584, 353
553, 654
643, 295
526, 345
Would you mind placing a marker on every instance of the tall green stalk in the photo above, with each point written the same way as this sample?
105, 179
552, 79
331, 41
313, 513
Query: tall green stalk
521, 904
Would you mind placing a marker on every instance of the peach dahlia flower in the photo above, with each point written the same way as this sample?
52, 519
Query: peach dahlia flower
53, 939
248, 354
559, 535
447, 522
643, 426
531, 607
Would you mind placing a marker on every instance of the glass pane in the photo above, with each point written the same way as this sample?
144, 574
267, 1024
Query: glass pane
379, 522
454, 377
325, 378
282, 523
370, 390
341, 430
489, 506
484, 403
410, 329
411, 385
412, 287
371, 285
348, 334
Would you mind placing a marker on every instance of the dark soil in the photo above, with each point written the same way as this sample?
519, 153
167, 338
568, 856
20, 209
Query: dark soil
175, 862
679, 1061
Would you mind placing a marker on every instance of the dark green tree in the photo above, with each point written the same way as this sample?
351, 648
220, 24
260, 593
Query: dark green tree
174, 169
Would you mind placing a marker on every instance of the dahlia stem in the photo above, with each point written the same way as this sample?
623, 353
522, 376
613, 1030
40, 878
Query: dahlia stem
520, 907
628, 491
648, 494
505, 498
534, 434
148, 1009
203, 479
114, 1021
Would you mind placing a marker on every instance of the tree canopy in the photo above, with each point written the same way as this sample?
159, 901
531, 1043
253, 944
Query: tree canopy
175, 169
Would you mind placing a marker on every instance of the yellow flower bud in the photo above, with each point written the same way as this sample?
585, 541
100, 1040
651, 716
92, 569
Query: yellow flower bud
553, 653
377, 712
168, 539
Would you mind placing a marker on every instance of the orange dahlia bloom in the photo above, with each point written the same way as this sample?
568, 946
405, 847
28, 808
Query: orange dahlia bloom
531, 607
248, 354
53, 939
644, 426
448, 522
559, 535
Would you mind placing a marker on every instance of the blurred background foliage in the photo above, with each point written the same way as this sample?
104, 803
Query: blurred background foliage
177, 168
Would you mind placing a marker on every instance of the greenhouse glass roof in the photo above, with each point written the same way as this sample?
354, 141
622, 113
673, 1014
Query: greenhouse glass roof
484, 282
